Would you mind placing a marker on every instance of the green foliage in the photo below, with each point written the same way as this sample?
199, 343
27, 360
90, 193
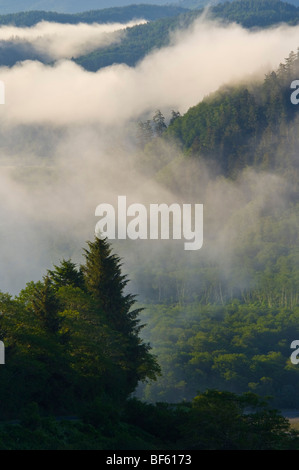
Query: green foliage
224, 421
106, 284
105, 15
91, 363
215, 421
74, 341
212, 421
142, 39
138, 42
159, 123
238, 347
70, 340
262, 13
45, 306
242, 126
67, 275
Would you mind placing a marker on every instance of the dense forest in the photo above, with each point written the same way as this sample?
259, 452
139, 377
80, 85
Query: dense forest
107, 15
144, 38
73, 358
220, 344
224, 324
140, 40
237, 130
201, 358
73, 6
251, 13
244, 126
17, 49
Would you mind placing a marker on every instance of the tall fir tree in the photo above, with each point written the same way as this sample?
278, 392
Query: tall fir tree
159, 123
66, 274
106, 284
46, 306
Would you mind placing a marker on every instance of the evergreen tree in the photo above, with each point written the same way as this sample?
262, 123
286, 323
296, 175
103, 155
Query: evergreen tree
106, 284
145, 133
159, 123
66, 275
46, 306
174, 116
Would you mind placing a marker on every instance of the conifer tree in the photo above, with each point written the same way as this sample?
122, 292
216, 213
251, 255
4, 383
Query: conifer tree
46, 306
66, 275
159, 123
145, 133
106, 284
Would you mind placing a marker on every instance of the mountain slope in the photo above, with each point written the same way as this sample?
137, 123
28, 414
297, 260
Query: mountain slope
195, 4
241, 126
261, 13
140, 40
117, 14
237, 334
68, 6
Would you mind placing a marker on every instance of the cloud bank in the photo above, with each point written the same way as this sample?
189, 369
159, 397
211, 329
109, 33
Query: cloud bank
65, 41
67, 135
197, 62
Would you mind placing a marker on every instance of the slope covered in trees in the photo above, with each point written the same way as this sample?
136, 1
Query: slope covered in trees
72, 339
73, 349
138, 42
221, 319
261, 13
226, 317
106, 15
242, 126
142, 39
17, 49
71, 6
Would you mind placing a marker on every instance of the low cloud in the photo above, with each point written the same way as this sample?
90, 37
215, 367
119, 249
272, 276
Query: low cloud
197, 62
66, 138
65, 41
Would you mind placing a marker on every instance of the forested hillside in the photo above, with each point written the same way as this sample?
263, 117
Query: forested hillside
73, 358
236, 335
261, 13
138, 42
246, 125
199, 358
17, 49
69, 6
106, 15
196, 4
144, 38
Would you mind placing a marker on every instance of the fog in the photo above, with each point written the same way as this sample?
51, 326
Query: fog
197, 62
68, 139
65, 41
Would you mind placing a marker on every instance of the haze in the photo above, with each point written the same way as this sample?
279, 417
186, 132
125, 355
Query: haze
68, 135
